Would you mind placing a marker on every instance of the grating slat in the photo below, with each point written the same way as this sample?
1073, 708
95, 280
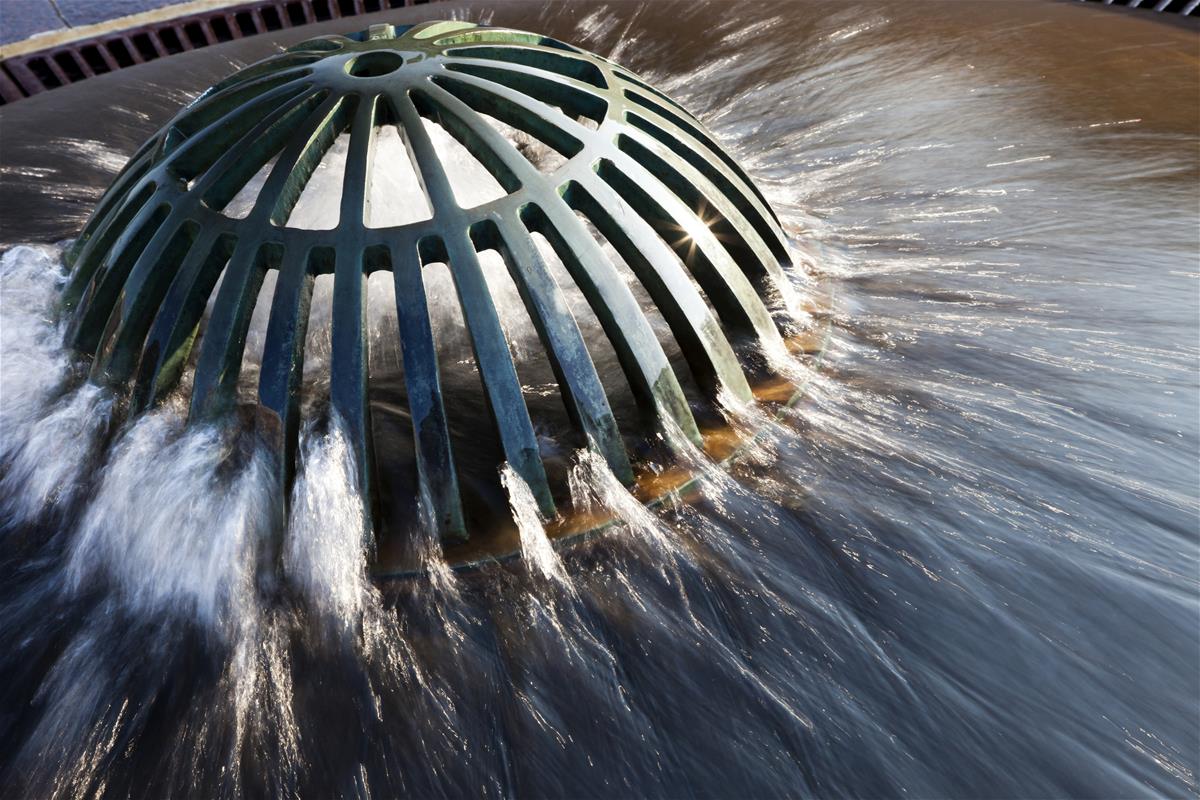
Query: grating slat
348, 364
431, 434
569, 357
18, 80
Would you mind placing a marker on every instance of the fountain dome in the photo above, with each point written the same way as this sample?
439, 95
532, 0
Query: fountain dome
629, 164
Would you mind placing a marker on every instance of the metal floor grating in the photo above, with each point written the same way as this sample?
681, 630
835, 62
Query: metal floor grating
32, 73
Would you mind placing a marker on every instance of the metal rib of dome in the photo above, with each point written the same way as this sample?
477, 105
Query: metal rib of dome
638, 167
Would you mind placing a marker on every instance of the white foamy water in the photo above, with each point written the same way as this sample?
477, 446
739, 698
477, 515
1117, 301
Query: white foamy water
59, 455
536, 548
176, 518
595, 488
325, 552
33, 363
48, 441
173, 532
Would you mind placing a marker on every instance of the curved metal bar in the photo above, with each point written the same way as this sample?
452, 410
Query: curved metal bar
734, 299
744, 242
134, 308
232, 91
696, 330
116, 194
282, 363
198, 153
496, 369
96, 304
581, 390
210, 109
174, 329
348, 359
296, 164
150, 273
680, 126
431, 433
480, 95
214, 387
221, 183
645, 364
575, 98
643, 361
541, 60
100, 243
747, 204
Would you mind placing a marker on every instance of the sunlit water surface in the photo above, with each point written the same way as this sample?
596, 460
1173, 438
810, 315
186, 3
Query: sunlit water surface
966, 565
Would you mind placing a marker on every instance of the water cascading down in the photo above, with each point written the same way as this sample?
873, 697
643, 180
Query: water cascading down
635, 167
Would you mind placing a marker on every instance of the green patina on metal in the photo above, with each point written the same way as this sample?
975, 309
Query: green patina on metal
642, 170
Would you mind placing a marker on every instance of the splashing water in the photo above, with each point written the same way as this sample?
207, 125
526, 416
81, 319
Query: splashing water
595, 488
967, 562
535, 545
169, 530
326, 555
32, 364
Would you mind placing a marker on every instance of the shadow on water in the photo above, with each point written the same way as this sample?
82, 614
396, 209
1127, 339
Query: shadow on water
965, 566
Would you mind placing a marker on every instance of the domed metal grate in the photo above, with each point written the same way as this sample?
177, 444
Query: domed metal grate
638, 167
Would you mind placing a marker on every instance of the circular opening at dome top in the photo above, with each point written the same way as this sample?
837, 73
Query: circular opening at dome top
371, 65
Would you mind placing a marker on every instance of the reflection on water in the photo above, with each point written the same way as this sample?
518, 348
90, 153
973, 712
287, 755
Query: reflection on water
966, 565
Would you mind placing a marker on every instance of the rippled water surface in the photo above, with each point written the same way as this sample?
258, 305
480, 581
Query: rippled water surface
966, 565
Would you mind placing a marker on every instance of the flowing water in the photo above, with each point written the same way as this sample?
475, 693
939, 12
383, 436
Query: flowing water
965, 565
